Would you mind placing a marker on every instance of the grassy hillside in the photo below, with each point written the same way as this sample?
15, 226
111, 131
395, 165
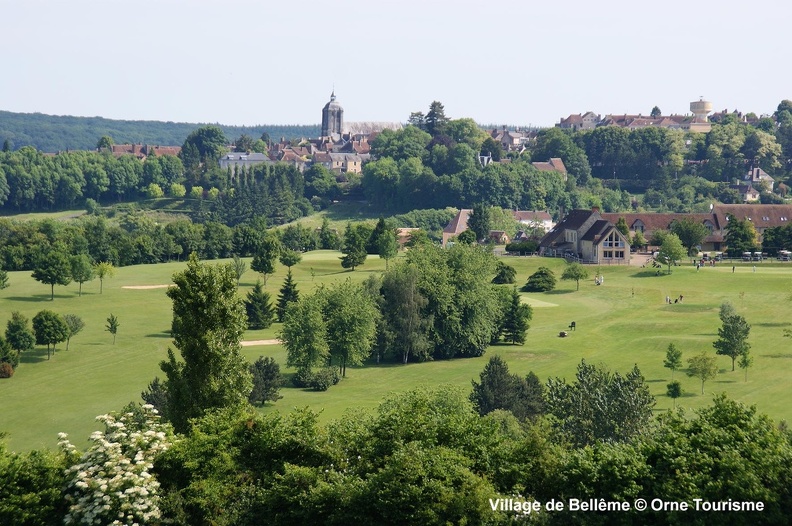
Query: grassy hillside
623, 322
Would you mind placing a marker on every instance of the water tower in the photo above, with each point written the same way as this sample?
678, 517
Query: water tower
700, 109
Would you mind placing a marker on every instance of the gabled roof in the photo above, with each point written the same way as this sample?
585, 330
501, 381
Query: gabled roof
572, 221
532, 215
762, 216
598, 231
459, 223
654, 221
555, 164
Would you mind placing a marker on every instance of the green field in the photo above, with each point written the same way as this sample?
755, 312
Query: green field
623, 322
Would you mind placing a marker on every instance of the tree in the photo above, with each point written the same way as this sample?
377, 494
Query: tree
387, 245
81, 269
354, 248
18, 333
208, 142
328, 237
50, 329
480, 221
745, 361
112, 326
740, 236
52, 268
673, 359
240, 267
638, 240
600, 406
267, 381
504, 274
690, 233
289, 258
436, 120
468, 237
258, 307
351, 319
655, 112
671, 251
264, 259
575, 272
702, 367
208, 323
543, 280
288, 295
516, 319
304, 334
74, 324
105, 143
405, 327
103, 269
674, 390
621, 226
3, 279
499, 389
733, 338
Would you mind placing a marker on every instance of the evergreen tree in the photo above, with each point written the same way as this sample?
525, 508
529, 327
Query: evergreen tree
480, 221
328, 238
288, 294
258, 306
354, 248
267, 381
542, 280
504, 274
516, 319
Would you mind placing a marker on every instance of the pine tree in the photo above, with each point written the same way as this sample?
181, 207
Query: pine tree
516, 319
259, 308
288, 294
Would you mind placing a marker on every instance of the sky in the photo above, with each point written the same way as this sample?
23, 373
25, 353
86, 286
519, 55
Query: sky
511, 62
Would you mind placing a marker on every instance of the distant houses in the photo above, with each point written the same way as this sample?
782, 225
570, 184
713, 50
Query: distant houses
537, 220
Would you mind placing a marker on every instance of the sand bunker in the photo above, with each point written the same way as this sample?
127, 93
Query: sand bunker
146, 287
251, 343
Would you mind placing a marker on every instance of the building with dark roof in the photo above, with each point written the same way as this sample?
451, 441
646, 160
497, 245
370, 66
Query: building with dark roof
586, 237
332, 118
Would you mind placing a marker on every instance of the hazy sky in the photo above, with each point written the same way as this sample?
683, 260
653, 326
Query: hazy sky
275, 62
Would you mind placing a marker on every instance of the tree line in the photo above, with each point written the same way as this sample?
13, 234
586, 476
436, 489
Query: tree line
54, 133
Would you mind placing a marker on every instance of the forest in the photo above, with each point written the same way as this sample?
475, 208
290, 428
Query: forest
60, 133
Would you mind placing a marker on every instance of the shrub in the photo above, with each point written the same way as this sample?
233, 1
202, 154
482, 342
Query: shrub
6, 371
542, 280
177, 190
522, 247
302, 378
154, 191
504, 274
324, 378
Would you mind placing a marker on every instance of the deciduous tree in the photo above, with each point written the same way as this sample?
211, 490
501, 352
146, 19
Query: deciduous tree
690, 233
575, 272
703, 367
74, 324
673, 359
112, 326
52, 268
671, 251
289, 258
81, 269
733, 338
50, 329
103, 269
208, 324
600, 405
18, 333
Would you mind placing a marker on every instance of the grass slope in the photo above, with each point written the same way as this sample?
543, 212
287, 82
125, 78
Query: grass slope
623, 322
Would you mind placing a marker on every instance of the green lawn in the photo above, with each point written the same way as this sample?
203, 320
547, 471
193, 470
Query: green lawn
623, 322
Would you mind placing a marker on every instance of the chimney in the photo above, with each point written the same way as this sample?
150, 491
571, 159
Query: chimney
595, 209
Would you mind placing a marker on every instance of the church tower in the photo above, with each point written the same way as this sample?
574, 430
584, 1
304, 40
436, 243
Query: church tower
332, 118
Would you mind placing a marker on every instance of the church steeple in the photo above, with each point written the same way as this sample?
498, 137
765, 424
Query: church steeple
332, 117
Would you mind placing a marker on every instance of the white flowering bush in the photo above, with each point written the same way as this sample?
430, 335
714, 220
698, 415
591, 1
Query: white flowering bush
112, 482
